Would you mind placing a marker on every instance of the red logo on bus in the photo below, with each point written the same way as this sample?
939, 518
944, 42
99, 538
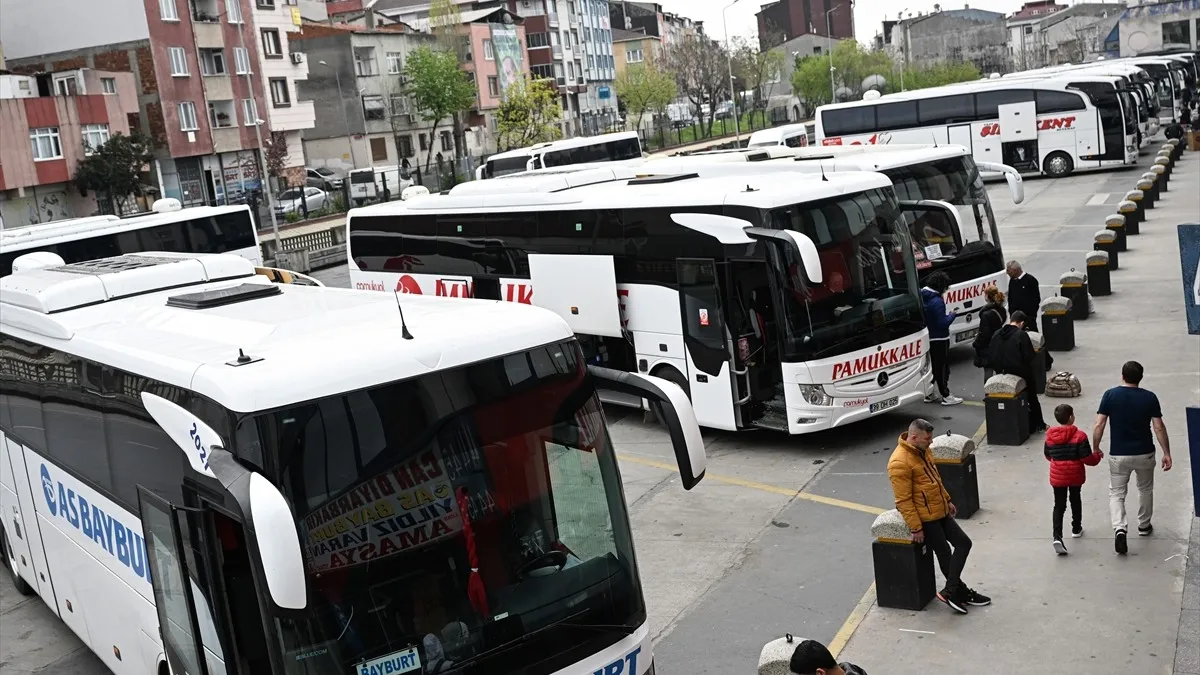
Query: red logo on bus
831, 141
880, 359
407, 284
993, 129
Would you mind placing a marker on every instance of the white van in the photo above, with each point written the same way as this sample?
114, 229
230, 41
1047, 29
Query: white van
368, 183
791, 135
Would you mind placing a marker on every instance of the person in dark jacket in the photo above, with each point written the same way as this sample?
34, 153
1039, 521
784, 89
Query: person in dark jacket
1011, 353
1068, 450
992, 318
813, 658
938, 321
1024, 294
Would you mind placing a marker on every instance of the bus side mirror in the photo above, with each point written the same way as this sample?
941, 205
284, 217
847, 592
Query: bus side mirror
935, 210
1016, 185
800, 244
676, 413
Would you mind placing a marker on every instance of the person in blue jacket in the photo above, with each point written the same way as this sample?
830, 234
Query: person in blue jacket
938, 321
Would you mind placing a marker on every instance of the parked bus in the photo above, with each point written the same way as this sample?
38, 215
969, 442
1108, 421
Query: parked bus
621, 148
199, 229
188, 499
1034, 126
1132, 79
1171, 77
783, 302
966, 247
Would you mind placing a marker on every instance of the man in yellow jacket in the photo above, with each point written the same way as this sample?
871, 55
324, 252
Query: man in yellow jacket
925, 504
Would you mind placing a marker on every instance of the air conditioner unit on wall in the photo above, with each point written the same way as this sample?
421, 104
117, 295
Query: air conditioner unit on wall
297, 57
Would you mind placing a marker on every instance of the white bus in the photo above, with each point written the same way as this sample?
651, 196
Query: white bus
783, 302
1134, 80
1034, 126
967, 247
199, 229
1172, 75
620, 148
187, 500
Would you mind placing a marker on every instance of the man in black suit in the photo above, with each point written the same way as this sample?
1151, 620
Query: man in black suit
1024, 295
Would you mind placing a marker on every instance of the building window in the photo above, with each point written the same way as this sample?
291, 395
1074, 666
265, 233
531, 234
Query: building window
447, 141
493, 86
395, 63
488, 54
108, 85
587, 34
46, 144
535, 40
378, 149
241, 61
167, 11
179, 65
266, 4
279, 92
234, 9
187, 117
591, 61
545, 72
1028, 30
94, 136
424, 142
364, 61
404, 145
272, 49
220, 114
212, 62
1177, 33
373, 108
66, 86
399, 104
633, 55
249, 112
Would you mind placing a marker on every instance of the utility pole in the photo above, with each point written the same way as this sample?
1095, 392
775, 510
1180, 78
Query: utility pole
737, 125
262, 151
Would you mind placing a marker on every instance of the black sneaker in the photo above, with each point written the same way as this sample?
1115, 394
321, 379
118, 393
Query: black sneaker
1059, 547
1146, 531
955, 603
975, 599
1121, 545
1077, 533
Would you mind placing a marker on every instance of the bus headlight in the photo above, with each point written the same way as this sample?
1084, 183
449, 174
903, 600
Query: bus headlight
814, 394
926, 366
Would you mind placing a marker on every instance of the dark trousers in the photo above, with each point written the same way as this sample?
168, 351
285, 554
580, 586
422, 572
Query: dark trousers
1036, 421
939, 358
1060, 508
941, 535
987, 373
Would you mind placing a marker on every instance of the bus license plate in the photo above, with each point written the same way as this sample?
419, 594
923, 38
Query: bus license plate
967, 335
885, 404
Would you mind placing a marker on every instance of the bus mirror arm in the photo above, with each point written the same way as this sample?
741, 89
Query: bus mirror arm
674, 409
1016, 184
800, 243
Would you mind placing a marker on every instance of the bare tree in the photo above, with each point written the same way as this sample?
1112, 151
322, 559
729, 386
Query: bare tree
755, 70
701, 71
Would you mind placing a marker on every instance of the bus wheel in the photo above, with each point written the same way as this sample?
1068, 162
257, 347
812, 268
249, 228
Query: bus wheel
670, 374
1058, 165
22, 586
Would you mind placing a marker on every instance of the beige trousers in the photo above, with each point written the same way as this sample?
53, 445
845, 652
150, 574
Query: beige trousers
1120, 467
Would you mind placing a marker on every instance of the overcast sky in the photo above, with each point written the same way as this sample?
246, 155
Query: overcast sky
868, 14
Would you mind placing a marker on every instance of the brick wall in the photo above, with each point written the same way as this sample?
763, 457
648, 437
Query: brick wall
145, 64
158, 126
69, 64
117, 59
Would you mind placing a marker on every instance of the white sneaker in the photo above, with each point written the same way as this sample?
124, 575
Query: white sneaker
951, 400
932, 398
1077, 534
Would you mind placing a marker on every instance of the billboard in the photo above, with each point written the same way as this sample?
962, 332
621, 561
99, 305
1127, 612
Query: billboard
506, 48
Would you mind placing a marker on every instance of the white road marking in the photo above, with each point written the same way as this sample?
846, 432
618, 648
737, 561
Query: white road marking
1098, 199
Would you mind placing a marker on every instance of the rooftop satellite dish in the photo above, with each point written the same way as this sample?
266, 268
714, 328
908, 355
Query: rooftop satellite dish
871, 95
36, 261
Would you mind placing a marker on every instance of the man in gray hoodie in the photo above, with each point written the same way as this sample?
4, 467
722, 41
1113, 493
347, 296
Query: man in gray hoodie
813, 658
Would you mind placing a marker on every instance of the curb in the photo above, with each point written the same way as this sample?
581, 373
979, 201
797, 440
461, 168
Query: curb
1187, 646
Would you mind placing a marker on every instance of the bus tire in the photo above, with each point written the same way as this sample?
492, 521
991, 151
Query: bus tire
23, 586
1058, 165
670, 374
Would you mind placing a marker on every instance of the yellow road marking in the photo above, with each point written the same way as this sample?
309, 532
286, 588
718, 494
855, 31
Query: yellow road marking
755, 485
977, 404
980, 435
852, 622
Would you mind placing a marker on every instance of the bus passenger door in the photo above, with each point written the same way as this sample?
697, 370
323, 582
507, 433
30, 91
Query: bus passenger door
706, 341
960, 134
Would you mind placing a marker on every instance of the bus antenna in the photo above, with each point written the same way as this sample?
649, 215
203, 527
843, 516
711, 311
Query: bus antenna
403, 325
824, 178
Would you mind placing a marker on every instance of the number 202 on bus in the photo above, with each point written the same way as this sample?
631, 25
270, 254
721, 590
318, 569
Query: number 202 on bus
993, 129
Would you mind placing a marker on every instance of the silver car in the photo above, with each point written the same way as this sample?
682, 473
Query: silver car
288, 201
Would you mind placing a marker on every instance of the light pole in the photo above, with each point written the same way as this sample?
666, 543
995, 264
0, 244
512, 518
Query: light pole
262, 151
903, 45
829, 34
737, 125
342, 104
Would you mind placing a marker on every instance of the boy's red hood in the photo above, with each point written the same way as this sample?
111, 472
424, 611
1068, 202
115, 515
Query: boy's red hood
1060, 435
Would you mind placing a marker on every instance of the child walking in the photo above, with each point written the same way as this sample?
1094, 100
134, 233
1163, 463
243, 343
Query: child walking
1068, 450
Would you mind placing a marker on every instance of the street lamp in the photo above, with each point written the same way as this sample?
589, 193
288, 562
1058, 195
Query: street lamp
737, 126
903, 48
342, 105
829, 35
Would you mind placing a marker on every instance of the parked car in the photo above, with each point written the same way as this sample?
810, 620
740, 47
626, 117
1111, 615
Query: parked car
328, 175
288, 201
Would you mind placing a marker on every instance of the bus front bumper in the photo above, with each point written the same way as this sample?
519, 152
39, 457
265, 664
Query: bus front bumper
804, 418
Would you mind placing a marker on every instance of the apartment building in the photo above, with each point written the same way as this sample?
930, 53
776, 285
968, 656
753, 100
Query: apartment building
282, 67
48, 124
631, 48
784, 20
966, 34
198, 74
650, 19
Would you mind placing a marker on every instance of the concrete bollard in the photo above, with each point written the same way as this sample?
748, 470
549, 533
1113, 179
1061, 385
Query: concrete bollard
1116, 224
903, 568
1133, 219
1164, 160
1177, 148
1058, 325
1138, 198
1106, 240
1006, 410
1039, 361
776, 656
1074, 287
1147, 187
1099, 278
954, 456
1161, 172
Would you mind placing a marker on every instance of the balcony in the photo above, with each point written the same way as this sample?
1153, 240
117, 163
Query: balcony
556, 50
560, 81
552, 19
208, 35
205, 11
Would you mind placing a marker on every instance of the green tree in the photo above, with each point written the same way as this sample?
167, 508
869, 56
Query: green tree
439, 89
644, 88
810, 81
114, 169
529, 113
445, 22
939, 74
755, 70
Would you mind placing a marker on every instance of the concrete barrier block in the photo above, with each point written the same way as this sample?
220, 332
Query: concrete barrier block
1073, 277
1056, 304
890, 525
776, 656
1115, 220
1144, 184
1105, 236
1157, 170
1037, 339
1004, 385
952, 446
1172, 142
1126, 206
1097, 258
1135, 195
1149, 175
1162, 160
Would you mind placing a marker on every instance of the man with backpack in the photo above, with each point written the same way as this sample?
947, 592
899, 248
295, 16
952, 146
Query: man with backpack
1011, 353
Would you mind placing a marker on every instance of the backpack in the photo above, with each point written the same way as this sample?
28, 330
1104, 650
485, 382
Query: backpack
1063, 385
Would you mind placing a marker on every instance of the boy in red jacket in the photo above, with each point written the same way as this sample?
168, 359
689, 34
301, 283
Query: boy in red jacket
1068, 450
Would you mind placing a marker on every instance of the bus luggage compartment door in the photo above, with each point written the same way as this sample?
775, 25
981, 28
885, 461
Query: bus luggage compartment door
1018, 135
582, 289
706, 340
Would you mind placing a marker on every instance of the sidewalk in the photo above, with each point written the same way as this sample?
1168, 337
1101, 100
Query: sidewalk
1091, 611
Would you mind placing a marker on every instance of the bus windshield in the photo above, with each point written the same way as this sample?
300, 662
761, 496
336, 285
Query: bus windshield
506, 165
869, 292
470, 519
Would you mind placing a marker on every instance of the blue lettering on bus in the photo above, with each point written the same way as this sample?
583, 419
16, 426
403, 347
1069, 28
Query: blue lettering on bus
121, 542
626, 665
